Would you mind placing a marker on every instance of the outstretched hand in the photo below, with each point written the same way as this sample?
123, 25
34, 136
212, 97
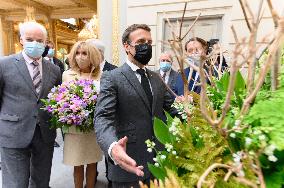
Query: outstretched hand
120, 156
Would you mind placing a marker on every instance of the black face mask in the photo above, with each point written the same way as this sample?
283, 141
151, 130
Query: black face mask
143, 53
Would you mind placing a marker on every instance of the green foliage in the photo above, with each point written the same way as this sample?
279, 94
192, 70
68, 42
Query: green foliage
267, 113
217, 95
197, 146
273, 171
159, 173
193, 146
161, 131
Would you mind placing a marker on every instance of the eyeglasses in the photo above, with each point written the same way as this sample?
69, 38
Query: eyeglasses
165, 60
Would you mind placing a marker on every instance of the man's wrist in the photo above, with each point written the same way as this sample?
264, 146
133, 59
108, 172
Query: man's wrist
110, 150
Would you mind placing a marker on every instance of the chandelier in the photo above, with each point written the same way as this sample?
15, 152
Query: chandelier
90, 30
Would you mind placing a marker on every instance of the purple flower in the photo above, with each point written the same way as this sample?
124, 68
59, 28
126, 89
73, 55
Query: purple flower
94, 97
49, 108
59, 97
72, 103
87, 89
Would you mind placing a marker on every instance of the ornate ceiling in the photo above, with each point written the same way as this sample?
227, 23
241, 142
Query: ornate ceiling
14, 10
48, 12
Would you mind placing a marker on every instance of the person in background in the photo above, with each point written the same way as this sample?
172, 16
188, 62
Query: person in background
81, 148
213, 43
105, 66
168, 75
195, 48
49, 54
26, 139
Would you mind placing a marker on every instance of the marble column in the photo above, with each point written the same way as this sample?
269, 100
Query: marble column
1, 38
106, 27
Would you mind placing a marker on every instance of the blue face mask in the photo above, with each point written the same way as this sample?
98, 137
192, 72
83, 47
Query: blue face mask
50, 52
165, 66
34, 49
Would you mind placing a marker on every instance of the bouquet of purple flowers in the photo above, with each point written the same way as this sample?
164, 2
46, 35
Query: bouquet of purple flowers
72, 104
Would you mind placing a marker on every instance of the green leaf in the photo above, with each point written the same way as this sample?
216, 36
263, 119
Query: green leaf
224, 81
161, 131
158, 172
274, 180
169, 118
197, 141
240, 84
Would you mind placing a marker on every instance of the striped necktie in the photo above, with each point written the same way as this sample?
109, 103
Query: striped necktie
36, 77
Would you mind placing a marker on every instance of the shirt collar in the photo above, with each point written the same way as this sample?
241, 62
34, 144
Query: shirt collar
133, 66
102, 65
167, 73
30, 60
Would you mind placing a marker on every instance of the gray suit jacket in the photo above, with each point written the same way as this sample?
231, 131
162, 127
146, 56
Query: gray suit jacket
172, 78
20, 106
124, 110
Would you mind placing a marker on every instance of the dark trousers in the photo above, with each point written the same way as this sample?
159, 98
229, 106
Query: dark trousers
134, 184
27, 167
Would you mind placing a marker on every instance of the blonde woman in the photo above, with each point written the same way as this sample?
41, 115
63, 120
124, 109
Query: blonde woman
81, 148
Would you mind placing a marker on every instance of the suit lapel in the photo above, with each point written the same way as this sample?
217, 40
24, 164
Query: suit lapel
170, 78
23, 69
45, 77
154, 89
133, 80
191, 83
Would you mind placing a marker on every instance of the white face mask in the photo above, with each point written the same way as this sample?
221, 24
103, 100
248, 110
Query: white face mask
196, 56
82, 63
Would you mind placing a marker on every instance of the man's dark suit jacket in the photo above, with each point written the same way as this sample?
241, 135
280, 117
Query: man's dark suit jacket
179, 89
59, 64
108, 66
122, 110
172, 78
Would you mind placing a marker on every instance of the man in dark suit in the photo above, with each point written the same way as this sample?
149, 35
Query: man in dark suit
105, 66
130, 96
195, 48
49, 54
26, 139
168, 75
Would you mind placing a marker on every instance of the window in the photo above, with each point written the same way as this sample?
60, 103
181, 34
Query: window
206, 28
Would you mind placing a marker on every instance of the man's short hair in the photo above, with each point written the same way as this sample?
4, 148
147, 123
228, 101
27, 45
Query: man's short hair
130, 29
167, 53
200, 40
24, 26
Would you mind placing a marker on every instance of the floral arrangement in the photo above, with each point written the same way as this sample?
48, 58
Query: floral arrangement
231, 135
72, 104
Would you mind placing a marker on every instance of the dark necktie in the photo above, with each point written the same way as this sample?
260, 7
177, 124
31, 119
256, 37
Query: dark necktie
145, 84
36, 77
164, 76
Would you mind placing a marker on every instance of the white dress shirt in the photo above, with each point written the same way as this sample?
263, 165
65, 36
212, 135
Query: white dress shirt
102, 65
167, 75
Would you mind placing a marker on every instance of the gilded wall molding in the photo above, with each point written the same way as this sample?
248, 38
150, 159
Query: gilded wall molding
115, 32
